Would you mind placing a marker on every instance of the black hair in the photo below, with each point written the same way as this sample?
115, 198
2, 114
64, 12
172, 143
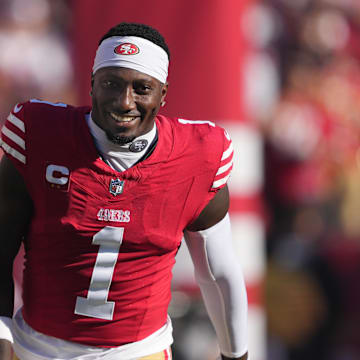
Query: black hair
140, 30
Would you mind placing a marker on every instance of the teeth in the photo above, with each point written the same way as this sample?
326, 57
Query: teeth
122, 118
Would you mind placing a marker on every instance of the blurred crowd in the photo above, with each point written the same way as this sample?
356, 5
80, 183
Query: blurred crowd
308, 89
311, 132
31, 31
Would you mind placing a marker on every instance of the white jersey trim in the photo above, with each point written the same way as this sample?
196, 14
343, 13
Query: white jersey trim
224, 168
14, 153
196, 122
227, 152
29, 344
17, 122
220, 182
224, 171
59, 104
12, 136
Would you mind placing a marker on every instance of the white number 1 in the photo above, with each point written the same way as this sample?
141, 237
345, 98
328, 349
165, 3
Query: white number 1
96, 304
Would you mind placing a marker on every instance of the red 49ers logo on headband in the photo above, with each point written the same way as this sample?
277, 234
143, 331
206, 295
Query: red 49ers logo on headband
126, 49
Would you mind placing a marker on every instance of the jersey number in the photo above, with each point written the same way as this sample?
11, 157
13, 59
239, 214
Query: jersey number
96, 304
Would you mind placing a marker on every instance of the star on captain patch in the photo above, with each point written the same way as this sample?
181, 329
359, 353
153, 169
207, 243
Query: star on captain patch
116, 186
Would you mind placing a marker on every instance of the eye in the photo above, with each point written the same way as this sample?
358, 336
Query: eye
108, 84
143, 88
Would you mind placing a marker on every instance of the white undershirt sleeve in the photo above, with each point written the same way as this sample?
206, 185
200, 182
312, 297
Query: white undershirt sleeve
219, 276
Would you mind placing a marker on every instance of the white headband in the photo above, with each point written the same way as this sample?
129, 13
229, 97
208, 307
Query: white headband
134, 53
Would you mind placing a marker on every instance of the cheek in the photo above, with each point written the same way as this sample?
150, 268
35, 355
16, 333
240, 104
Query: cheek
154, 107
154, 111
148, 108
98, 102
95, 106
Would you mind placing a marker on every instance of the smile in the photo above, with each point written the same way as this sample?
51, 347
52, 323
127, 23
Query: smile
122, 118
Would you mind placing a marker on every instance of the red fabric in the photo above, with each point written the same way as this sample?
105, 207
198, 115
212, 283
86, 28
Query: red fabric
161, 195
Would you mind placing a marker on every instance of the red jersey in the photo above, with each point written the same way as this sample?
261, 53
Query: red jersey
102, 243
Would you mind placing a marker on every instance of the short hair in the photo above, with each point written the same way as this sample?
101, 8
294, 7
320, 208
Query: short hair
140, 30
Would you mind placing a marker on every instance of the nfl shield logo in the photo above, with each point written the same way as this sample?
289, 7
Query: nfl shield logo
116, 186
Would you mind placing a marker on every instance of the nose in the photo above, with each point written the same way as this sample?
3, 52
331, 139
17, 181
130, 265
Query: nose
125, 99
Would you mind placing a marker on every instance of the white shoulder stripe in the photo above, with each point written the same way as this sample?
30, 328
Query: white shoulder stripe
196, 122
8, 149
15, 138
224, 168
17, 122
227, 152
220, 182
227, 135
48, 102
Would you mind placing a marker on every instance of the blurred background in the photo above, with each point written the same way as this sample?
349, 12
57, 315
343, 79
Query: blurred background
283, 77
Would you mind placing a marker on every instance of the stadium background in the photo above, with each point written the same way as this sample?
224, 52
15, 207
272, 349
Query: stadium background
283, 77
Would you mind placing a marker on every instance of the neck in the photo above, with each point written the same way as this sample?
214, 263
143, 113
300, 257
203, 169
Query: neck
120, 156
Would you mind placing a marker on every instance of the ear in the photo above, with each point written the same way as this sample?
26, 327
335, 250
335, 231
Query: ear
92, 84
164, 91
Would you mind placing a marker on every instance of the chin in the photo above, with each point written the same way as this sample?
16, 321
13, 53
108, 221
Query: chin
120, 139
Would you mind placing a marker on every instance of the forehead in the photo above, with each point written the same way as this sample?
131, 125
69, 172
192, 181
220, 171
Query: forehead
125, 74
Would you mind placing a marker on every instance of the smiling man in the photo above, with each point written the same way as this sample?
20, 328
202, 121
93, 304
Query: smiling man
125, 103
101, 198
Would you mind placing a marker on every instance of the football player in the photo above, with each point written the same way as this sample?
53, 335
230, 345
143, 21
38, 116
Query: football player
101, 197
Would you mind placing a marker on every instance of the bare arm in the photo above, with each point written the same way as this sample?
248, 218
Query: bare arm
15, 214
213, 213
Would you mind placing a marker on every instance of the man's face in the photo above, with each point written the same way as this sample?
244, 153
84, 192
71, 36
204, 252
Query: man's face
125, 102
